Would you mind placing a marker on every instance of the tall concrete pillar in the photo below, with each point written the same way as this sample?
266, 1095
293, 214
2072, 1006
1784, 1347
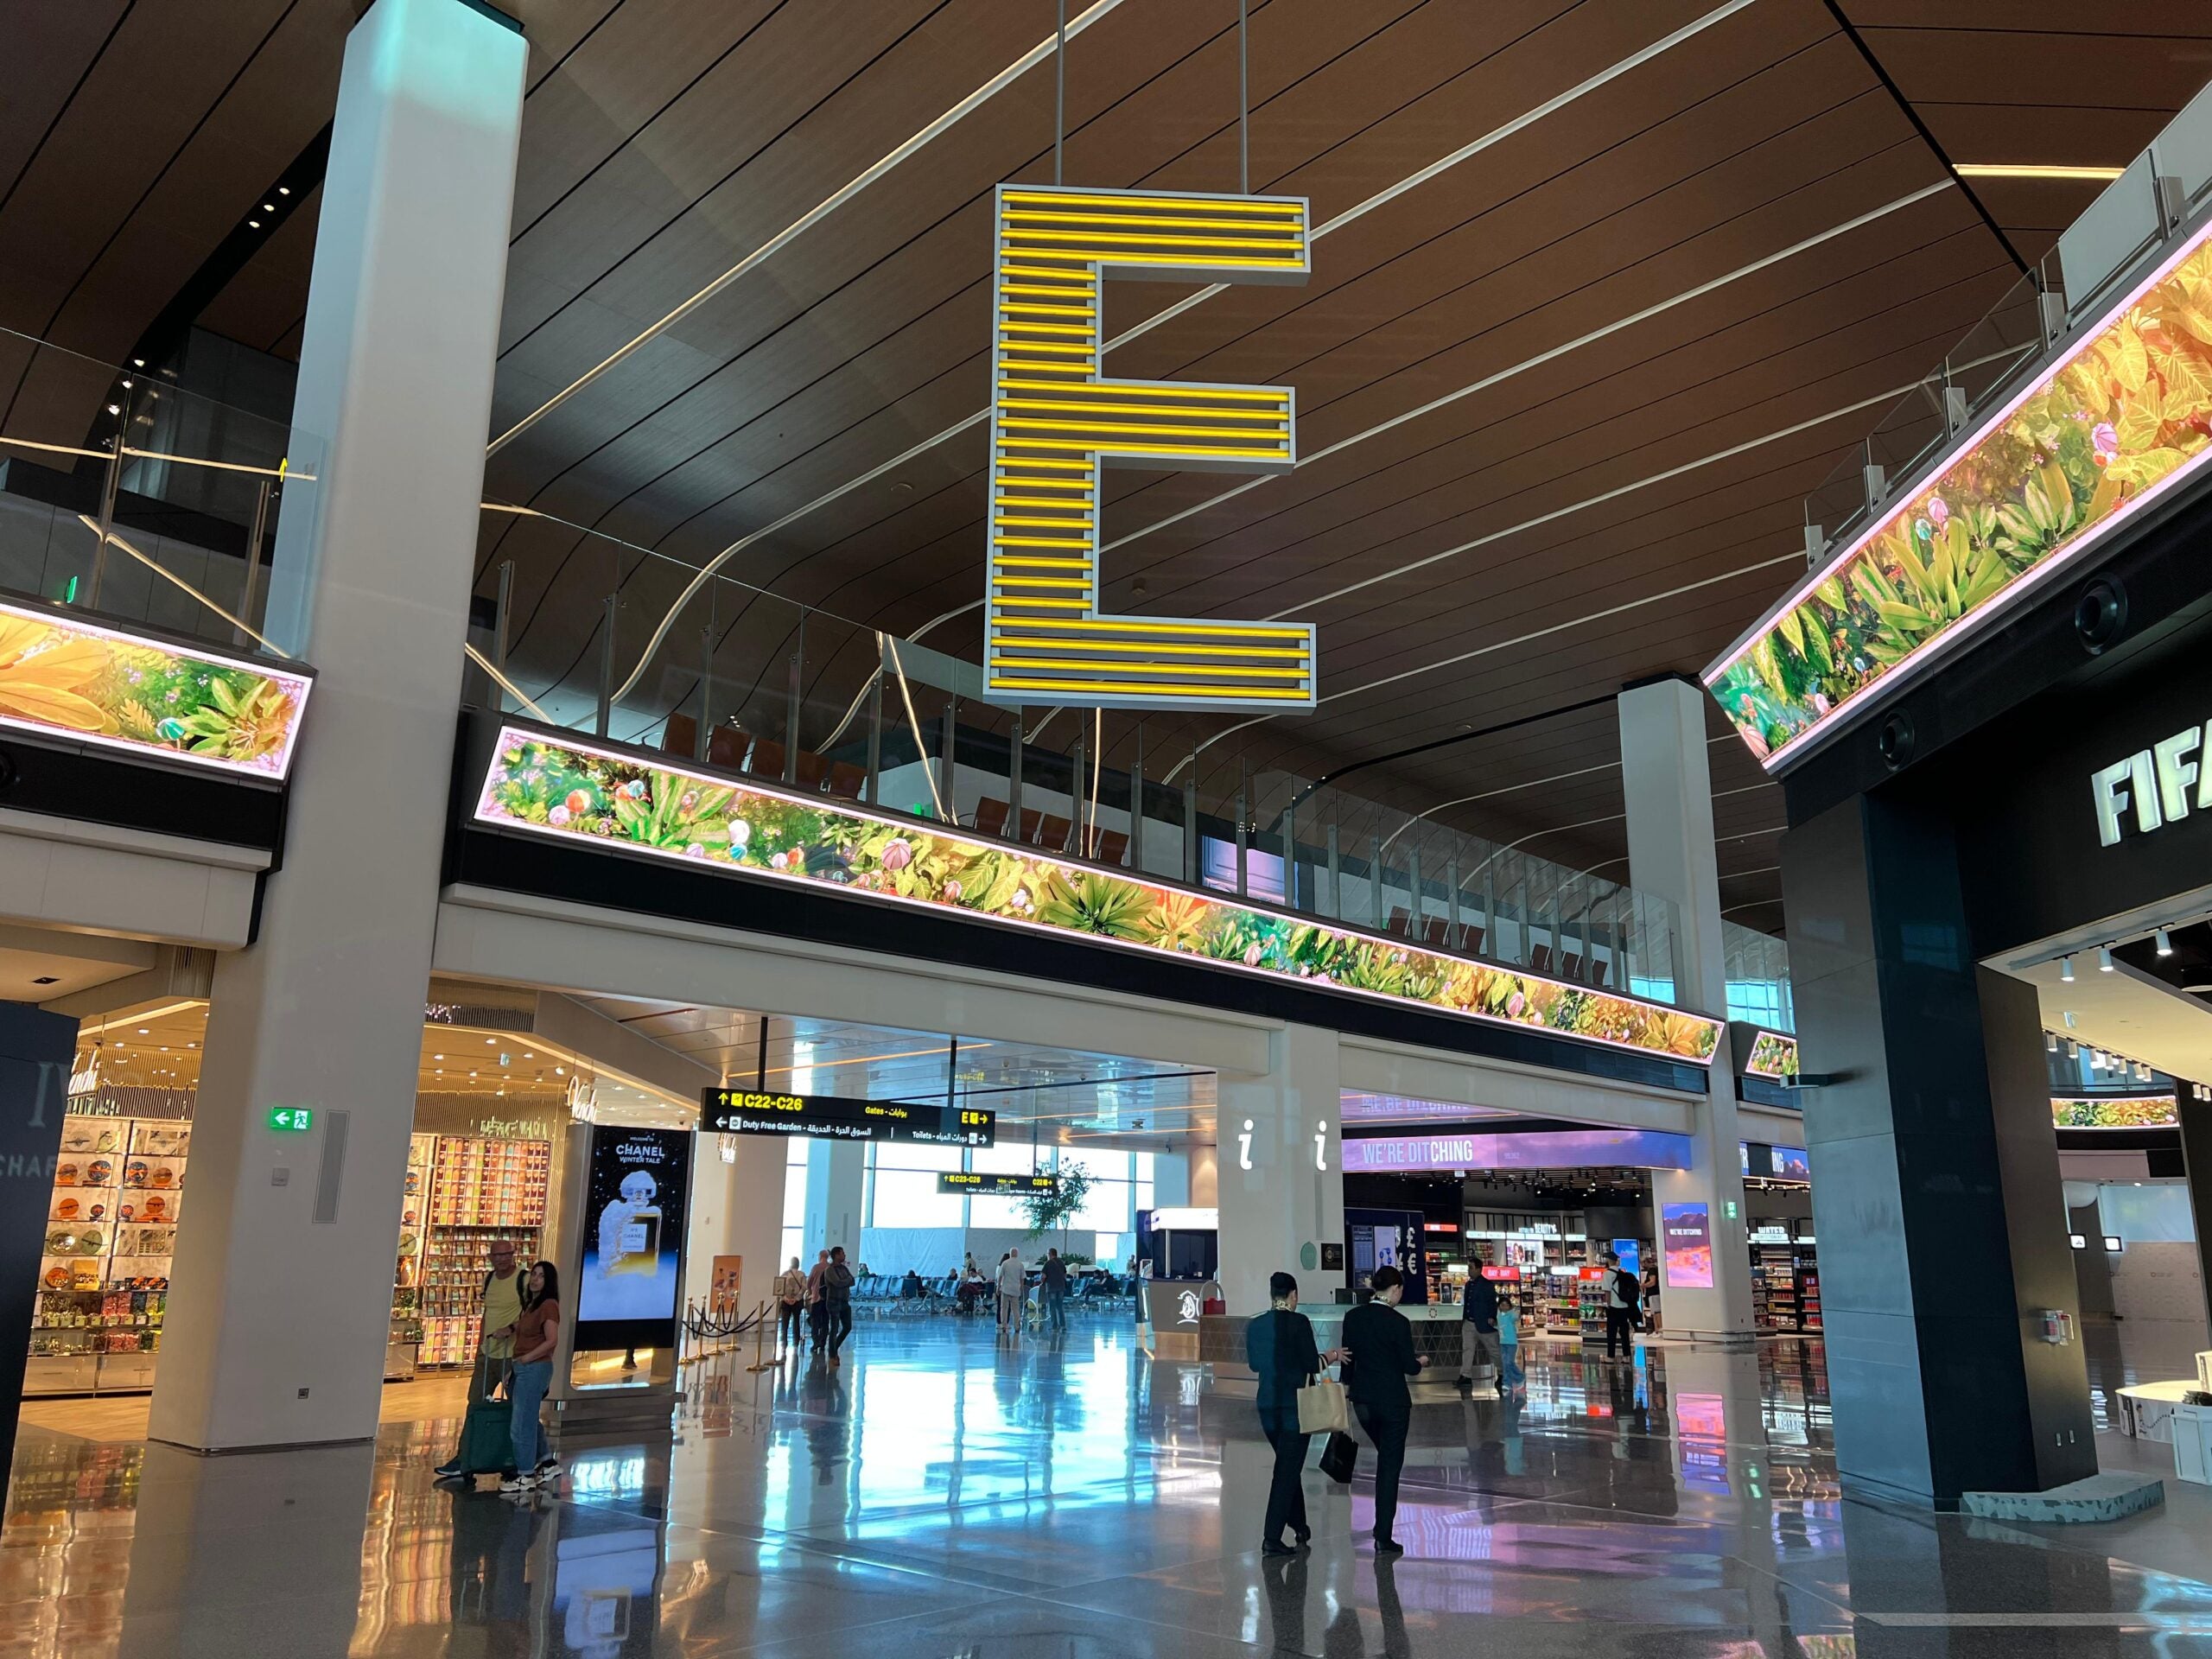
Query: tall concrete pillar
282, 1278
1667, 781
836, 1173
1280, 1186
737, 1209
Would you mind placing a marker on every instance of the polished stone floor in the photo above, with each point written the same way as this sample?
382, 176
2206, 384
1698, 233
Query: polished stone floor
947, 1493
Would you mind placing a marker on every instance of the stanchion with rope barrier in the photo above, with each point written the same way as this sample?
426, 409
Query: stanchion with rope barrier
706, 1324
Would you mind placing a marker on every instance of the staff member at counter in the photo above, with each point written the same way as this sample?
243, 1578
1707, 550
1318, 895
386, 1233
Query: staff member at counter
1380, 1343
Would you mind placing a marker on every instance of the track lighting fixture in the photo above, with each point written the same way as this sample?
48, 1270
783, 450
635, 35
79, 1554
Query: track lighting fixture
2165, 941
2066, 970
2050, 1042
2104, 958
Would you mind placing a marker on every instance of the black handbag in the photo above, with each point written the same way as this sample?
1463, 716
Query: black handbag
1339, 1456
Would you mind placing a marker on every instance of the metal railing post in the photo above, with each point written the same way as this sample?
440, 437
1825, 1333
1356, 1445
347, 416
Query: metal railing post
253, 572
790, 706
111, 486
1191, 829
1243, 824
607, 666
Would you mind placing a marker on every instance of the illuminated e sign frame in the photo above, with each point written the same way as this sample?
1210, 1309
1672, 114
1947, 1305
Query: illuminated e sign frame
1056, 417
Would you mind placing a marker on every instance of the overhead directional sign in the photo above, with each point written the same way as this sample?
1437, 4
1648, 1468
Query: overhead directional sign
753, 1111
1011, 1186
1056, 416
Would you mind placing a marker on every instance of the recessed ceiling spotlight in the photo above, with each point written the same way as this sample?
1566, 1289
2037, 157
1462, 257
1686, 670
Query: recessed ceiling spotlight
253, 224
283, 190
2164, 941
268, 206
2104, 958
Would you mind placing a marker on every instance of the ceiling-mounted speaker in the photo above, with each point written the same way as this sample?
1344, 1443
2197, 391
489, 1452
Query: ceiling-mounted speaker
1894, 742
2100, 614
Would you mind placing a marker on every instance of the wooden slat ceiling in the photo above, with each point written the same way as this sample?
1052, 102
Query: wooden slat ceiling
1634, 501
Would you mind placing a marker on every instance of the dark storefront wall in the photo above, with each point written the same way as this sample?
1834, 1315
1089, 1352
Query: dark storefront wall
1935, 1158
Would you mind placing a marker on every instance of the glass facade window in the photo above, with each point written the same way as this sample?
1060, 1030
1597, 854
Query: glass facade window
1011, 1159
993, 1211
909, 1198
899, 1154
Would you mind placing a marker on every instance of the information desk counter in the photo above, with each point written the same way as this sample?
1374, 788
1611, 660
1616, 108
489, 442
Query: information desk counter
1436, 1335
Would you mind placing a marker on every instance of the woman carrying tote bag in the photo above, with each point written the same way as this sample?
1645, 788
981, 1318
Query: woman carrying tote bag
1279, 1346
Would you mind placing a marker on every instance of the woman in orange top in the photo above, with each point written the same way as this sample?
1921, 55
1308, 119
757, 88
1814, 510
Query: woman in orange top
537, 1332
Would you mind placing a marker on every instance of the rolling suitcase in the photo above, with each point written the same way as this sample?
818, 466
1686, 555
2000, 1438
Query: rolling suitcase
487, 1442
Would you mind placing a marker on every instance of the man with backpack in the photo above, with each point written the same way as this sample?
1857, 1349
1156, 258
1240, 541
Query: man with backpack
837, 1302
499, 1304
1622, 1296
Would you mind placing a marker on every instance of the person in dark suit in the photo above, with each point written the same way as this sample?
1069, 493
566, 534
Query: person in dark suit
1380, 1343
1279, 1347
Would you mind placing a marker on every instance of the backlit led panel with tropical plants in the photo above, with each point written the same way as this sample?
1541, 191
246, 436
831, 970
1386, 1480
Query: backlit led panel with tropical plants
66, 677
551, 784
1773, 1055
2131, 1112
2124, 416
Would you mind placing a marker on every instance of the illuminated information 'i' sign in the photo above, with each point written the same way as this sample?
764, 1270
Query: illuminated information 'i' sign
1055, 418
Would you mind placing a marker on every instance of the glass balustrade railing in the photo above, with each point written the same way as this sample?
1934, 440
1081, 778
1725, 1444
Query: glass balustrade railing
1755, 967
139, 533
634, 645
126, 496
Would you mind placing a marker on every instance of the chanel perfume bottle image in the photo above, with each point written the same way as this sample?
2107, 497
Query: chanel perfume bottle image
629, 1229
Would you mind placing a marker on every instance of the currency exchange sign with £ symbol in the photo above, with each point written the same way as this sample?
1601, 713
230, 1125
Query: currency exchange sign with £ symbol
1056, 418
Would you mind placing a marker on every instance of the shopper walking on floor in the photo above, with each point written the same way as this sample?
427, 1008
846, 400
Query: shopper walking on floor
498, 1307
1621, 1296
1478, 1332
814, 1312
837, 1302
790, 1307
1014, 1282
1052, 1286
1279, 1347
1380, 1343
537, 1332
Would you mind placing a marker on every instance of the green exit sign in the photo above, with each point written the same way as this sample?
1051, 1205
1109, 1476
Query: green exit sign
291, 1117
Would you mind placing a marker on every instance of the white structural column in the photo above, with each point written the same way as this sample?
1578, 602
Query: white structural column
737, 1209
836, 1172
279, 1307
1666, 778
1280, 1181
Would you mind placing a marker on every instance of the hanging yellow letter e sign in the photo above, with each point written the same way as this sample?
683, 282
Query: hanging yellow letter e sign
1055, 418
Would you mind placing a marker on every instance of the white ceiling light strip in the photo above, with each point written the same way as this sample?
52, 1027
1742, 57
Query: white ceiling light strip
1542, 358
1412, 180
1796, 558
814, 215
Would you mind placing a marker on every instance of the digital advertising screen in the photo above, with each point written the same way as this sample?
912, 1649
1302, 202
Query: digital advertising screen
1685, 1242
636, 1199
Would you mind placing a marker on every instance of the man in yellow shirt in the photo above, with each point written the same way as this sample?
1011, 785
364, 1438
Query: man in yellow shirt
501, 1308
